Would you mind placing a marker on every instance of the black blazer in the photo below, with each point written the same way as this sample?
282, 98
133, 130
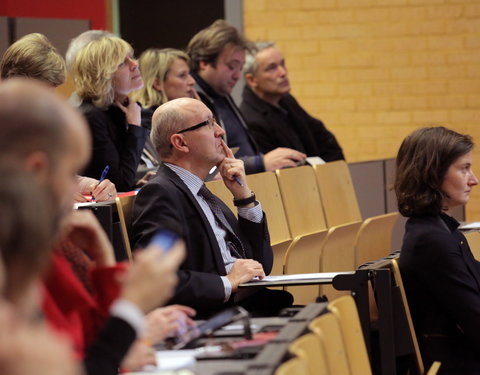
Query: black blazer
271, 127
105, 354
442, 282
165, 202
115, 143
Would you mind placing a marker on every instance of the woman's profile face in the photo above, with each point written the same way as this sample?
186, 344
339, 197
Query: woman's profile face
458, 182
127, 77
178, 82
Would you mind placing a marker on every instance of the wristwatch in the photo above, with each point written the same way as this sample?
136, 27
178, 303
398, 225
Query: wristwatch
245, 201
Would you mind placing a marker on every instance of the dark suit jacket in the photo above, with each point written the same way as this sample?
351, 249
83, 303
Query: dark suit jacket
442, 282
291, 126
115, 144
104, 355
167, 203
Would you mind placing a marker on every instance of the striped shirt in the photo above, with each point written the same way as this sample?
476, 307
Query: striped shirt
254, 214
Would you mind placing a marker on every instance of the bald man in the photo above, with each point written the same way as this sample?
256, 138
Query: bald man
222, 252
43, 135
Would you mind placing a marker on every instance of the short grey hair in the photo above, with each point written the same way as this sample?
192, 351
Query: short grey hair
80, 41
251, 65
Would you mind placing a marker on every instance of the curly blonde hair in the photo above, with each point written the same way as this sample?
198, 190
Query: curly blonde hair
154, 65
33, 56
94, 66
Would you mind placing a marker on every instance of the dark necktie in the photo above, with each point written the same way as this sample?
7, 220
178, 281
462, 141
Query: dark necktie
235, 245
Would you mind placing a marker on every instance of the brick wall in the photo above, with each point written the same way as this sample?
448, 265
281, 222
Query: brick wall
374, 70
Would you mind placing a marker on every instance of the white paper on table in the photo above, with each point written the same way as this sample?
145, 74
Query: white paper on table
470, 226
304, 276
175, 359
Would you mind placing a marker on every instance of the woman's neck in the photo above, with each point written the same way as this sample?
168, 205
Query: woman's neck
120, 97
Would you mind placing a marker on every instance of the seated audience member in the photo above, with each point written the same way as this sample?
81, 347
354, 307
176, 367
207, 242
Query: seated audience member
166, 75
50, 139
105, 72
442, 278
222, 252
33, 56
217, 55
273, 116
75, 45
27, 346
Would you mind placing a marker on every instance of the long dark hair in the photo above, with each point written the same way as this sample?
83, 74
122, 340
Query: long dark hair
422, 163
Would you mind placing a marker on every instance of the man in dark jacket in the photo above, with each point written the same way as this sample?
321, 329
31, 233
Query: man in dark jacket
273, 116
217, 55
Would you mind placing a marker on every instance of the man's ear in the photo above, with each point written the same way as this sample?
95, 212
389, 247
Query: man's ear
179, 143
251, 80
202, 65
38, 164
158, 85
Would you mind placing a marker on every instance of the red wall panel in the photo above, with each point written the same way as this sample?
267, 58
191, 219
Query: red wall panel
93, 10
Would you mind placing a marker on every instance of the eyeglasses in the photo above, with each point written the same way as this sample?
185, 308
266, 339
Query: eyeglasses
211, 122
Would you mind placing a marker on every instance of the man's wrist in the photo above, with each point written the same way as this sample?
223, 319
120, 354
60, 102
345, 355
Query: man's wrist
245, 201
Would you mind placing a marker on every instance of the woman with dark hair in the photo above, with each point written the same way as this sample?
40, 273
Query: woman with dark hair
442, 278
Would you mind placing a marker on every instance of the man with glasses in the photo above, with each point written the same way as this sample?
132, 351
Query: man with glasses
222, 251
217, 55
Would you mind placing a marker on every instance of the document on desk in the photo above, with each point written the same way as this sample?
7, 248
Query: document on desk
474, 226
296, 279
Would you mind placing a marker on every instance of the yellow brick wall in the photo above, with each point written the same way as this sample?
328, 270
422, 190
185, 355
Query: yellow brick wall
374, 70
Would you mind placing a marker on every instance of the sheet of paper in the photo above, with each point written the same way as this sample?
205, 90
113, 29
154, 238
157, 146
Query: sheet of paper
175, 359
470, 226
304, 276
314, 160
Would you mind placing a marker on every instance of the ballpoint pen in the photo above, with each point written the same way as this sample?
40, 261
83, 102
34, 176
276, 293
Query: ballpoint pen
102, 177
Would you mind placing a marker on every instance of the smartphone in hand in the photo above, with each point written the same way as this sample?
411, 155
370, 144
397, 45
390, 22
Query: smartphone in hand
164, 239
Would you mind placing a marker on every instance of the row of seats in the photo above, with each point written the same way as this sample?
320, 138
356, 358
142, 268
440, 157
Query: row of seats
315, 223
336, 345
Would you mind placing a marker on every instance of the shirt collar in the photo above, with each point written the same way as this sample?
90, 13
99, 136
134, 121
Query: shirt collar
205, 86
193, 182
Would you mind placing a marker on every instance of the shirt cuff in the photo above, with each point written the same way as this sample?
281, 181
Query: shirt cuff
130, 313
254, 214
228, 287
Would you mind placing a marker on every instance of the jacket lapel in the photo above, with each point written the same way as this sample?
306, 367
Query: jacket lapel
217, 256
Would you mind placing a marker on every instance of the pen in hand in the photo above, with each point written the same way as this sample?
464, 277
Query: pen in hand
229, 154
238, 180
102, 177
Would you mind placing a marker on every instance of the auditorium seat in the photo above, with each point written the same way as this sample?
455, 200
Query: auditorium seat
301, 199
125, 210
309, 348
374, 238
336, 190
327, 328
303, 256
338, 254
345, 310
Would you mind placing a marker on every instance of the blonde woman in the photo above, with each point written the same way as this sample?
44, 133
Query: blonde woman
167, 76
105, 73
34, 57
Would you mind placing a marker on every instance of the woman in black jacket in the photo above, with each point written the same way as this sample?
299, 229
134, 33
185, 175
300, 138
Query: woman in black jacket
105, 73
442, 278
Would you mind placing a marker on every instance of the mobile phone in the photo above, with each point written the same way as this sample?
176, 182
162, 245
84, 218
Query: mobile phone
164, 239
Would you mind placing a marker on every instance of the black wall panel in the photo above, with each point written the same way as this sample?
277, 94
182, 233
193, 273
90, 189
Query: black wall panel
165, 23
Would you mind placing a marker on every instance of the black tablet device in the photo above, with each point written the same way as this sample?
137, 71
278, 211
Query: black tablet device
208, 327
